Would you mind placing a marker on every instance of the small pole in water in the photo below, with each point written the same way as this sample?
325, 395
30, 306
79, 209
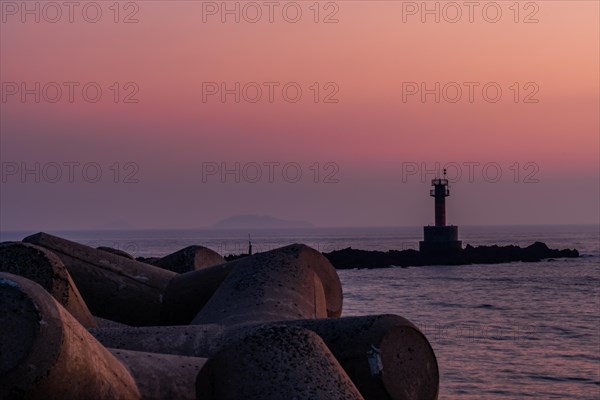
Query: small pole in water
249, 246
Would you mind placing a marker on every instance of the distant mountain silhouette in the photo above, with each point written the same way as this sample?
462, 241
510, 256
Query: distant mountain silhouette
250, 221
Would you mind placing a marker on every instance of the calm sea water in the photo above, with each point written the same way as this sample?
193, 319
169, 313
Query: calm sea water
505, 331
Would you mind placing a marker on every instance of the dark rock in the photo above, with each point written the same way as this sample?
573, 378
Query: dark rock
351, 258
191, 258
232, 257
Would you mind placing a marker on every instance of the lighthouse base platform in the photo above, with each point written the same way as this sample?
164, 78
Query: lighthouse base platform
440, 241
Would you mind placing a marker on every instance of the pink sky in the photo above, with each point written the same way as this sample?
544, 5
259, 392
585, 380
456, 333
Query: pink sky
369, 133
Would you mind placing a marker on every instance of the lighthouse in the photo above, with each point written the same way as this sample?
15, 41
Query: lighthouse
440, 191
440, 239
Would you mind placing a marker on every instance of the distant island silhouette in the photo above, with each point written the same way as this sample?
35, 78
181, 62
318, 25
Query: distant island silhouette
252, 221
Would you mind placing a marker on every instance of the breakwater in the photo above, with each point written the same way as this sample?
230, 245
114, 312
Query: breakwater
82, 322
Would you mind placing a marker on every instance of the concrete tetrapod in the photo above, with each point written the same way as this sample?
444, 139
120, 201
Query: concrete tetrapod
185, 340
274, 363
162, 376
45, 353
386, 356
131, 292
113, 287
191, 258
45, 268
292, 282
107, 323
117, 252
188, 293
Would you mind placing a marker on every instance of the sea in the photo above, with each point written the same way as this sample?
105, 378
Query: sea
504, 331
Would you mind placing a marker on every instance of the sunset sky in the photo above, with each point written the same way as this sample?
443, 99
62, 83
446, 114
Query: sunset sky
361, 140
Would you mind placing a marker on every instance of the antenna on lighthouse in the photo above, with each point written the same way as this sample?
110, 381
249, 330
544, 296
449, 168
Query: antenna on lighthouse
446, 177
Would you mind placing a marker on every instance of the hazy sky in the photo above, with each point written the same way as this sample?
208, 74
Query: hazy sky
506, 96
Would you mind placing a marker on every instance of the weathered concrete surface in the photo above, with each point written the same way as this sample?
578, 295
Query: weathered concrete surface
45, 268
107, 323
188, 293
275, 363
113, 287
147, 260
162, 376
116, 252
185, 340
191, 258
45, 353
292, 282
385, 356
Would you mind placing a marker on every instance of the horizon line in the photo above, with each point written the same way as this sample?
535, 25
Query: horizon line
280, 229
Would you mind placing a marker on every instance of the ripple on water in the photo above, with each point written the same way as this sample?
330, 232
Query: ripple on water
533, 335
